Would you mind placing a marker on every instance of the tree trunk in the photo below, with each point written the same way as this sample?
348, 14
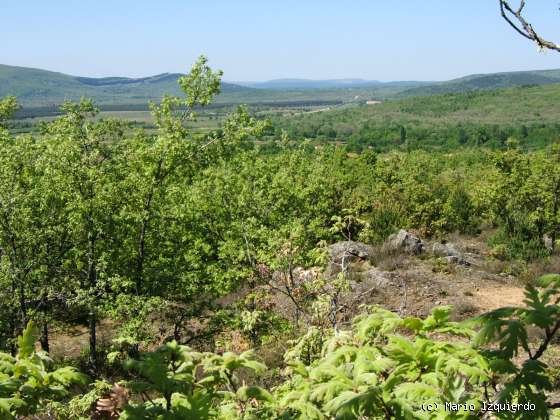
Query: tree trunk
158, 178
167, 397
22, 305
44, 339
92, 341
141, 256
12, 329
92, 280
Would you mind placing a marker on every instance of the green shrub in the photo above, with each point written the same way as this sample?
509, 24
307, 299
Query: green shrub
26, 383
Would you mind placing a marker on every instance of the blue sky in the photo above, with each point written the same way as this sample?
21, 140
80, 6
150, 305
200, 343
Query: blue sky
267, 39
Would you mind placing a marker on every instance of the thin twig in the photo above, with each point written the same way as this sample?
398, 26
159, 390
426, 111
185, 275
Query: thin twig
523, 27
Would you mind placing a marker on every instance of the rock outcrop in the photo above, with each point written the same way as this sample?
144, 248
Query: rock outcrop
450, 253
374, 277
404, 241
342, 254
350, 249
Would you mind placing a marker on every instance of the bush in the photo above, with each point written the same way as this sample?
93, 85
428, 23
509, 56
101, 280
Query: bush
26, 384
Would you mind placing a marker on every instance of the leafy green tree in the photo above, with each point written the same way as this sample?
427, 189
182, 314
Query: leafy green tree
524, 201
170, 154
32, 234
8, 106
82, 166
165, 253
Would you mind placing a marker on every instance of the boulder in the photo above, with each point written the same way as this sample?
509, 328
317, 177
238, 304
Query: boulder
450, 253
404, 241
350, 251
374, 278
344, 253
548, 242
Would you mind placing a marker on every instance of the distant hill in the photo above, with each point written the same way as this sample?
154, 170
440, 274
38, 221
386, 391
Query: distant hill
286, 84
295, 84
41, 92
34, 87
415, 88
487, 82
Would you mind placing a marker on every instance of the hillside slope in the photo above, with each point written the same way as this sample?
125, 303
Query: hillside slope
34, 87
294, 84
415, 88
446, 121
40, 88
487, 82
502, 106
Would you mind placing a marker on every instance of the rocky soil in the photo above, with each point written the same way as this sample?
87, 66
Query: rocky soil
406, 274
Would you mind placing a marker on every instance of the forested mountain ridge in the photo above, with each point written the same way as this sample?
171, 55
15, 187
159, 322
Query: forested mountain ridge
35, 87
487, 82
283, 84
40, 88
412, 88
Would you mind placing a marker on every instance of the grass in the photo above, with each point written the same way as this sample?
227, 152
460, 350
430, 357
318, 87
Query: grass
208, 119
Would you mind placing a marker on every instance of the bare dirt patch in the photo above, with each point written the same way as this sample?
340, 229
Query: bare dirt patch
70, 342
491, 297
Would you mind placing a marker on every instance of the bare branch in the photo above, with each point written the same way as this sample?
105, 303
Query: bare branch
514, 17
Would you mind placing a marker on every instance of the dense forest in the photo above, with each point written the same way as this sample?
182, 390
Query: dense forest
445, 122
210, 258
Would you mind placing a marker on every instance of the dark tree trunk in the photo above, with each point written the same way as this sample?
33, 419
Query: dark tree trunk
141, 257
12, 329
92, 341
22, 306
44, 339
92, 279
147, 208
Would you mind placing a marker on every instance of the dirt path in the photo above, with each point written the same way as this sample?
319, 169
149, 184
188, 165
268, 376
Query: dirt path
488, 298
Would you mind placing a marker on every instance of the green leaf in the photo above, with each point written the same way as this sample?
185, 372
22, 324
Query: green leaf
26, 341
246, 393
548, 280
